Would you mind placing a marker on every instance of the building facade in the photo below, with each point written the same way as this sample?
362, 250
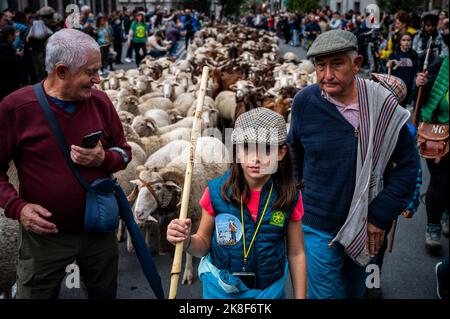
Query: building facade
360, 5
104, 6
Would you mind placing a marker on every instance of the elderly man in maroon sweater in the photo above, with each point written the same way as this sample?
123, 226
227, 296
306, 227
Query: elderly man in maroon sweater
50, 202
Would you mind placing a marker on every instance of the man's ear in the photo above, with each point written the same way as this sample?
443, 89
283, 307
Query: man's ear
357, 62
61, 71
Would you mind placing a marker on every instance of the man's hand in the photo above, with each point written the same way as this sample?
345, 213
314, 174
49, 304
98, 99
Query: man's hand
391, 64
375, 239
90, 157
31, 218
421, 78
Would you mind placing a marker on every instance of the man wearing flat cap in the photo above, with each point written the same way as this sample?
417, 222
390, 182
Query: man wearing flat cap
353, 151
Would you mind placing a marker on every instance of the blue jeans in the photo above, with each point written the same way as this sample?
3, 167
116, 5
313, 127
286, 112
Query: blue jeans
156, 54
331, 274
173, 49
294, 37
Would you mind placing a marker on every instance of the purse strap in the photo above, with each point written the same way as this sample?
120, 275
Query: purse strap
45, 106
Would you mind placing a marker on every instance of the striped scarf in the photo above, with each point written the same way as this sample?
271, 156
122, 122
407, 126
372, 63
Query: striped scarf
380, 121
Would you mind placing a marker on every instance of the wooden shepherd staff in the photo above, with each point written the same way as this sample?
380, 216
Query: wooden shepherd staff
391, 241
419, 93
176, 266
414, 122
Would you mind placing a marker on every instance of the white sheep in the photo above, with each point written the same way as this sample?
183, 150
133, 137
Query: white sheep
170, 88
128, 103
130, 134
155, 103
290, 57
152, 144
145, 97
160, 117
124, 177
186, 122
184, 102
166, 154
307, 66
132, 73
126, 117
144, 126
209, 113
9, 236
146, 206
226, 104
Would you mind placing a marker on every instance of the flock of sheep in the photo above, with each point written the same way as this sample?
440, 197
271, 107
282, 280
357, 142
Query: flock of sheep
156, 103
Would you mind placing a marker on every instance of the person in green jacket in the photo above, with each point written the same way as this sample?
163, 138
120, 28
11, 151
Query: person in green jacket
138, 34
434, 109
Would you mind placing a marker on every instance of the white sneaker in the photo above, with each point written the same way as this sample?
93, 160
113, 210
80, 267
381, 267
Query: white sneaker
128, 60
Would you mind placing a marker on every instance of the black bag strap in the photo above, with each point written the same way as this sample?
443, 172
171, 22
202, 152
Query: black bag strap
43, 102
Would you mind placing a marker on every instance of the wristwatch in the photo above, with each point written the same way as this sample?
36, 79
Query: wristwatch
121, 152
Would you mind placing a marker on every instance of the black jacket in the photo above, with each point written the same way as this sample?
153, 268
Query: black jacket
9, 77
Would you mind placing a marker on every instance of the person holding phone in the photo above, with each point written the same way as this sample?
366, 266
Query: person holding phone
50, 204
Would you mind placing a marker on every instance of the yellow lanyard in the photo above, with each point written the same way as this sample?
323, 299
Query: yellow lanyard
247, 252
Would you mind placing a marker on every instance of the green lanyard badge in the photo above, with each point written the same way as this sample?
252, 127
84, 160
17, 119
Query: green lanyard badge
247, 252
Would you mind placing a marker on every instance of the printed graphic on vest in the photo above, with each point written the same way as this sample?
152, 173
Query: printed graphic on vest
140, 31
277, 218
228, 229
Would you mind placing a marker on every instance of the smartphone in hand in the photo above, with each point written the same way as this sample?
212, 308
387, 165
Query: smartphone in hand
91, 140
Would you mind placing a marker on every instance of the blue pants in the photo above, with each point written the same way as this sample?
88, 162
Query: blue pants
173, 49
294, 37
331, 274
156, 54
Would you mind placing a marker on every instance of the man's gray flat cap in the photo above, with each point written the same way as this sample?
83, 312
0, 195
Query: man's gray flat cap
334, 41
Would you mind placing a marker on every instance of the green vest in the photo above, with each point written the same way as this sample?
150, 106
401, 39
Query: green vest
436, 108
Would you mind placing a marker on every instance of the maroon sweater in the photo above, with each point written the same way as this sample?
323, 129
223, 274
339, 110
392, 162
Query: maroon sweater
45, 178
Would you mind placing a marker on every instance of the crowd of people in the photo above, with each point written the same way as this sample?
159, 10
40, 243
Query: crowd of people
23, 35
354, 183
302, 29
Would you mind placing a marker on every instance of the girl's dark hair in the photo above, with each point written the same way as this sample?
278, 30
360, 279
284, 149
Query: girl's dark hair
402, 34
283, 180
404, 17
6, 31
99, 19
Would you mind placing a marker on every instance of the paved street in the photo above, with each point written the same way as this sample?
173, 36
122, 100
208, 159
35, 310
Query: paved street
408, 271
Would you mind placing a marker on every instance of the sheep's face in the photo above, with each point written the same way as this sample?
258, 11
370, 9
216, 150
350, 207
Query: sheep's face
153, 197
184, 83
144, 127
167, 90
126, 117
209, 118
241, 87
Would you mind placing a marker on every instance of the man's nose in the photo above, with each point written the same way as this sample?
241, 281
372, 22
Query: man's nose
329, 72
96, 78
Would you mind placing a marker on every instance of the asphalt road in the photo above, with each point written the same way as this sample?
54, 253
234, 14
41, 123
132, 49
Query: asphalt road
408, 272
